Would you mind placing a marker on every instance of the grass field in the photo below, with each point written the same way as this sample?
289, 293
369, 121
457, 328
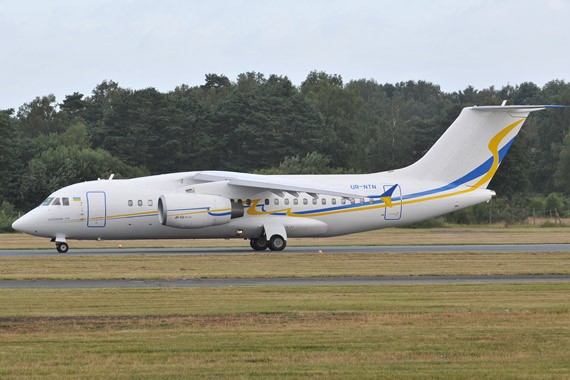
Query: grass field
412, 331
250, 265
443, 331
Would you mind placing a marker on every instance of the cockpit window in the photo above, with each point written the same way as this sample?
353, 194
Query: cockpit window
56, 202
47, 202
65, 201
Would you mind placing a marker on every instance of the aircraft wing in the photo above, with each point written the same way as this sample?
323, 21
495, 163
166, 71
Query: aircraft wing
272, 182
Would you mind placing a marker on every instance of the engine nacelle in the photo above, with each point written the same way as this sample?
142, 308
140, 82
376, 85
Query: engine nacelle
183, 210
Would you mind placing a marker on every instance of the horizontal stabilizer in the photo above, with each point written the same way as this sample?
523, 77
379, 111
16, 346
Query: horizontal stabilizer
516, 108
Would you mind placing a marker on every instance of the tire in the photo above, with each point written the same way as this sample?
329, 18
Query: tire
277, 243
62, 247
259, 244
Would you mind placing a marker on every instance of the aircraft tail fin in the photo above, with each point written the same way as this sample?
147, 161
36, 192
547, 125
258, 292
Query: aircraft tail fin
470, 151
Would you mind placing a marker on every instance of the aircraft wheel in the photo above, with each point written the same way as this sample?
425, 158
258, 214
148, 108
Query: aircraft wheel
62, 247
259, 244
277, 243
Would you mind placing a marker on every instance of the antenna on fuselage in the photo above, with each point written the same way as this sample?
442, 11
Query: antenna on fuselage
111, 176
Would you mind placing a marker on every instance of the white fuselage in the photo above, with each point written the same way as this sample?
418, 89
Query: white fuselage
128, 209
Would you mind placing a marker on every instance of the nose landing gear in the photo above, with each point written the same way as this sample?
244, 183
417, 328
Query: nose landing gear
62, 247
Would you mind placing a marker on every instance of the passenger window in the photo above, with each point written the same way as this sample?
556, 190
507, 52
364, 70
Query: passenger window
130, 203
139, 203
276, 201
305, 201
343, 201
286, 201
239, 201
314, 201
56, 202
150, 202
295, 201
248, 202
324, 201
266, 202
333, 201
47, 201
65, 201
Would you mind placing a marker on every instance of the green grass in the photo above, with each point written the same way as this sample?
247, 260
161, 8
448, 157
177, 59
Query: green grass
438, 331
281, 265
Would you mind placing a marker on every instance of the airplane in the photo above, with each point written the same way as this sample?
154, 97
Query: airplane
269, 209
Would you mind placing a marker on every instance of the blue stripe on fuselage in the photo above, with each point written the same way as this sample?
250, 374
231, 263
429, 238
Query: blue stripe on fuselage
475, 173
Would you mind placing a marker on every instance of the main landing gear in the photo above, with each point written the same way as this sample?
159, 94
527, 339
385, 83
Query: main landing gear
276, 243
259, 244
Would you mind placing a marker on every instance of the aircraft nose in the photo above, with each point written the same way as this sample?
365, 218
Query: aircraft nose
23, 224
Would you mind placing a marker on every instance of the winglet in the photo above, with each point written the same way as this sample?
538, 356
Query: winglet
386, 197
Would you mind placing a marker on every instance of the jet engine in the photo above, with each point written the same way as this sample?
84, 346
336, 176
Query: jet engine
183, 210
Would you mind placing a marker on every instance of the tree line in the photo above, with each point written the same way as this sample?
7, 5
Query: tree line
265, 124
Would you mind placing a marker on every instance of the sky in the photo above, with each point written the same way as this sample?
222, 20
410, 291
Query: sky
66, 46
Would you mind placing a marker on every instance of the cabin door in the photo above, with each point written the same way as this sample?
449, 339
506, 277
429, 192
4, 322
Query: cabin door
394, 212
96, 209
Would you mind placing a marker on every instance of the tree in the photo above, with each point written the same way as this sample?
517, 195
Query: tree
562, 173
339, 108
248, 82
133, 125
553, 203
73, 104
257, 126
98, 108
216, 82
9, 160
311, 163
62, 166
76, 135
189, 140
40, 117
368, 124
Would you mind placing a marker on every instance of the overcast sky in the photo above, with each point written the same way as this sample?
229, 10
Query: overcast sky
64, 46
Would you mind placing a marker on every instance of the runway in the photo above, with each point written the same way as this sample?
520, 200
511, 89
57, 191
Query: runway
485, 248
280, 281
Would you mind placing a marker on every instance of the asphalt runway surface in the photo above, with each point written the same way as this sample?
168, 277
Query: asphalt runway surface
290, 281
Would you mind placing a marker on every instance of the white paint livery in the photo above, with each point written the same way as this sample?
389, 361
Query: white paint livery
267, 209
